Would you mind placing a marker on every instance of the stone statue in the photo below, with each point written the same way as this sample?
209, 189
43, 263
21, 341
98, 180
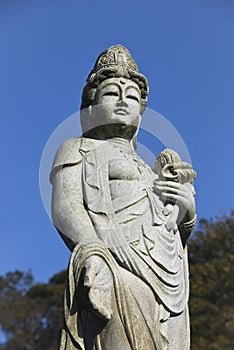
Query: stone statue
125, 224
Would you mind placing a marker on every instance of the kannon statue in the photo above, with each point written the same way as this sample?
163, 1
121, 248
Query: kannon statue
125, 224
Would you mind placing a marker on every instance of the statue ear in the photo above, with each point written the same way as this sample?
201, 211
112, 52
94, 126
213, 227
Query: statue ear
85, 119
134, 139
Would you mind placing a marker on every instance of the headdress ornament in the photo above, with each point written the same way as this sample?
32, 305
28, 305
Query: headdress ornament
116, 55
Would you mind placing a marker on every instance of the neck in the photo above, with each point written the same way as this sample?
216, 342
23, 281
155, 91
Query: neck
110, 131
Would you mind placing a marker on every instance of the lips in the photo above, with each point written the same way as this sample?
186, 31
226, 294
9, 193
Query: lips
121, 111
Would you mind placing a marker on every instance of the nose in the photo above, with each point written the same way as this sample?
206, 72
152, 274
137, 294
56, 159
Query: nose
122, 100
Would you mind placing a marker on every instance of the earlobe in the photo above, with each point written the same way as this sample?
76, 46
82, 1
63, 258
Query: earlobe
85, 119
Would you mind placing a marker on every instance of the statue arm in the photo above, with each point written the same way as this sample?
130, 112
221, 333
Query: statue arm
75, 226
68, 212
188, 222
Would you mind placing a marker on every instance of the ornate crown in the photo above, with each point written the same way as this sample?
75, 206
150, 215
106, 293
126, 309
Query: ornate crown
116, 55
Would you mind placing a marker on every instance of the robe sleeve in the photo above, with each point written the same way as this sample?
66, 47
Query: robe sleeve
69, 214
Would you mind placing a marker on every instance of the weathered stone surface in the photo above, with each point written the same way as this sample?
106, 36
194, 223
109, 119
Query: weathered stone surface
126, 224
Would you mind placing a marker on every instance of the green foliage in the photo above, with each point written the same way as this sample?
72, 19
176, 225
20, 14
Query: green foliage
212, 284
31, 315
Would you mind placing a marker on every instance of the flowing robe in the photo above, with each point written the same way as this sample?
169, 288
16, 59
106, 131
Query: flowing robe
148, 263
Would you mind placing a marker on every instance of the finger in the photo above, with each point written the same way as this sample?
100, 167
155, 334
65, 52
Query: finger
168, 209
101, 302
180, 192
90, 274
173, 197
169, 195
172, 184
176, 185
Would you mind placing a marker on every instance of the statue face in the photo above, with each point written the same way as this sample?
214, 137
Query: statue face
117, 101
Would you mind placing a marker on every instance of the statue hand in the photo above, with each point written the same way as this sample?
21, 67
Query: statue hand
180, 194
98, 282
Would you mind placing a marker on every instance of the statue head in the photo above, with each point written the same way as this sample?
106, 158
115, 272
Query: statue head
116, 72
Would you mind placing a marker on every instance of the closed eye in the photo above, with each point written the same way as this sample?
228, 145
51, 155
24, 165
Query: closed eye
111, 93
132, 97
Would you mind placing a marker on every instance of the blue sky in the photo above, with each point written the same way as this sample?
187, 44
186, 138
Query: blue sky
186, 50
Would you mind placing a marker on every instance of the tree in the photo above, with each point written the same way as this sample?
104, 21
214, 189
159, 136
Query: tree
212, 284
31, 314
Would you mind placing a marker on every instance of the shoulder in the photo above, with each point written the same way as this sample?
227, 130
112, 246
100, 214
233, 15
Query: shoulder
72, 152
68, 153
